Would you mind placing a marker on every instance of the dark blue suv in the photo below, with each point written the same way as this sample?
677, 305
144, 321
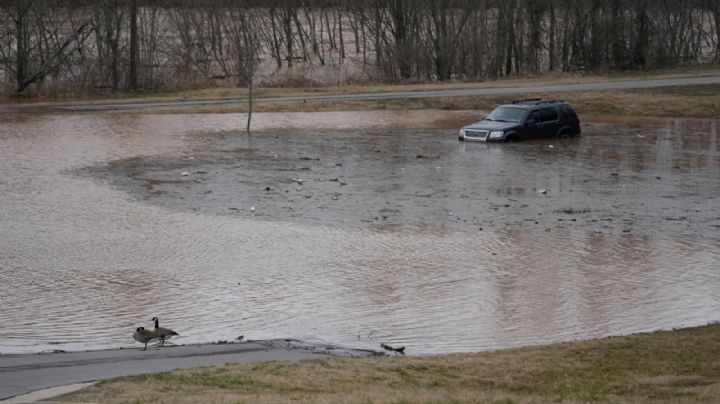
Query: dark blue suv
525, 119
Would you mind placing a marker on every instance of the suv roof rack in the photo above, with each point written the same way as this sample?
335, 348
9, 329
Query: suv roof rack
537, 101
527, 101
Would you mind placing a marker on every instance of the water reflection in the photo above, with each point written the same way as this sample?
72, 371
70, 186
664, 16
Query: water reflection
102, 250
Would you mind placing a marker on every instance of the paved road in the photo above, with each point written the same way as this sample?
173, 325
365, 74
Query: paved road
21, 374
630, 84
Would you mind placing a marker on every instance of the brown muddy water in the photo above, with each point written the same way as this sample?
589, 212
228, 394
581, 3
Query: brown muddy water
350, 229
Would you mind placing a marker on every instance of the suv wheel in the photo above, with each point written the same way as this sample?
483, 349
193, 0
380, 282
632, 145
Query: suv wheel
565, 133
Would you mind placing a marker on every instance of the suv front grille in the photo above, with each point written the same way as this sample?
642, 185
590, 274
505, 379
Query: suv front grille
476, 134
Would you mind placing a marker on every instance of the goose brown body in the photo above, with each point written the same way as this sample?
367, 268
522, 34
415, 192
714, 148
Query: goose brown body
162, 333
144, 336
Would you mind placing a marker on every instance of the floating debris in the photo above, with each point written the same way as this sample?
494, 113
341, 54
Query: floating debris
400, 350
185, 174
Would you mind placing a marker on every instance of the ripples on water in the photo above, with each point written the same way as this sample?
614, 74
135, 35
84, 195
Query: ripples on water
83, 263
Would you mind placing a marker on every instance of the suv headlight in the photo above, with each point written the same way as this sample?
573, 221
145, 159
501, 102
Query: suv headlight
461, 133
497, 134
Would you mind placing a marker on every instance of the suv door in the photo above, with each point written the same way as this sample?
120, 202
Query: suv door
549, 124
532, 126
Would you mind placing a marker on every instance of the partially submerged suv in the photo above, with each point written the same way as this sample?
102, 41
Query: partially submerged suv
525, 119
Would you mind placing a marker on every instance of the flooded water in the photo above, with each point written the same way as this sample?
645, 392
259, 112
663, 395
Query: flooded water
351, 229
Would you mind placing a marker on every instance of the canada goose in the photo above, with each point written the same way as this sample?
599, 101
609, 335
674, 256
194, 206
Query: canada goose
162, 333
143, 336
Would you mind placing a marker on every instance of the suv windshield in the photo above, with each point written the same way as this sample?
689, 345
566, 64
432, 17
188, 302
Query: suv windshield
506, 114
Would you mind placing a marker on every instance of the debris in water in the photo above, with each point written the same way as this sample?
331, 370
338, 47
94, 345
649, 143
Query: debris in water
542, 191
252, 209
185, 174
400, 350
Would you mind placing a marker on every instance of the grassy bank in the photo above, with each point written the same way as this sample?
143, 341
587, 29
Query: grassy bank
681, 102
671, 366
685, 103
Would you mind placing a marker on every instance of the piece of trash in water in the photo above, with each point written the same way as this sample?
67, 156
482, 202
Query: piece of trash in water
185, 174
551, 146
542, 191
297, 180
191, 158
240, 338
400, 350
338, 164
252, 209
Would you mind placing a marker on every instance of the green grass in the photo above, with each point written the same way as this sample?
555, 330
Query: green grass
670, 366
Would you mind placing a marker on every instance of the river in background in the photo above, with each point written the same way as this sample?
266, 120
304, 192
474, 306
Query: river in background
363, 231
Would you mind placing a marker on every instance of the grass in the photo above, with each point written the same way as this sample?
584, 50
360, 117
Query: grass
236, 92
684, 102
670, 366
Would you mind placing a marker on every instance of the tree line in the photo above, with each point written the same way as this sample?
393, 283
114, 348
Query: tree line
113, 45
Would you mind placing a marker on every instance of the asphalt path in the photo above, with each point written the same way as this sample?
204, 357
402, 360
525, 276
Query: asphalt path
21, 374
400, 95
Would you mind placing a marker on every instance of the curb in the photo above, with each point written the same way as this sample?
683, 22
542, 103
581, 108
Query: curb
45, 394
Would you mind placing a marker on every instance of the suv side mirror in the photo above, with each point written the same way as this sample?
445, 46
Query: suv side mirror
530, 122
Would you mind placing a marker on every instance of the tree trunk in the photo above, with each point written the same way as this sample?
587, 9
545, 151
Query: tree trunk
21, 63
134, 50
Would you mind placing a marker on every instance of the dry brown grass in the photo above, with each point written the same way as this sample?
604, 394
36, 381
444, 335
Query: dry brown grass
233, 93
685, 102
677, 366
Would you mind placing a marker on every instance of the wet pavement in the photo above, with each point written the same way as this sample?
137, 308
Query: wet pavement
352, 228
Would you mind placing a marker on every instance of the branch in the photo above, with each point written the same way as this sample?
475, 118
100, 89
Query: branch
57, 58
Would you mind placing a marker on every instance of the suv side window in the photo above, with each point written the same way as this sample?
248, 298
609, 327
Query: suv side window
548, 115
535, 116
